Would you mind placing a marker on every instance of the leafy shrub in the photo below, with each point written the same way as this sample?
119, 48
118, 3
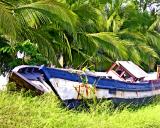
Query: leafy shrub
8, 55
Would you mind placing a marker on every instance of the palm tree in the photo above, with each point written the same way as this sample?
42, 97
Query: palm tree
84, 32
92, 45
25, 20
140, 30
131, 28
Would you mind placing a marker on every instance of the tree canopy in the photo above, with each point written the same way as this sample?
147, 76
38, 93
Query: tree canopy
92, 33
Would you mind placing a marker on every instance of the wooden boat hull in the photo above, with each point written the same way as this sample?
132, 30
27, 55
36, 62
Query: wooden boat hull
133, 101
73, 86
24, 77
116, 101
70, 86
22, 82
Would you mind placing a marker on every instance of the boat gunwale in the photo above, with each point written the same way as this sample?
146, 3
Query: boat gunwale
143, 86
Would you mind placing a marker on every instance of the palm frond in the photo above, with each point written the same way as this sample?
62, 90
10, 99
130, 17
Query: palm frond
80, 59
110, 43
8, 22
153, 38
140, 46
88, 16
155, 24
85, 42
43, 41
55, 11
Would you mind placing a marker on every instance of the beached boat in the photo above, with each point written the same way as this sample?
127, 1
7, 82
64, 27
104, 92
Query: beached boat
123, 82
29, 78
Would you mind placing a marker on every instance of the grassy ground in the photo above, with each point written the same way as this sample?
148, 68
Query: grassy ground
19, 110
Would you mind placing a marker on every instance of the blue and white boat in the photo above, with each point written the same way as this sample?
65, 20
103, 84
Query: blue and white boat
123, 82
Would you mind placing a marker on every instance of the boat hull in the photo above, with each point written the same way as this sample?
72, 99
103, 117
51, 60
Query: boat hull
116, 101
133, 101
71, 87
22, 82
74, 86
29, 78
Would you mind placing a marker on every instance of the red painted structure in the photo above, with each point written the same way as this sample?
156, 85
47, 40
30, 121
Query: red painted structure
127, 71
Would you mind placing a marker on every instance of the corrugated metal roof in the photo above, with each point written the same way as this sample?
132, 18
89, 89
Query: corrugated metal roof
132, 68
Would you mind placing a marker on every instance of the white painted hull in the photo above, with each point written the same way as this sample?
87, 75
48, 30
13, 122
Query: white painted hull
71, 86
68, 90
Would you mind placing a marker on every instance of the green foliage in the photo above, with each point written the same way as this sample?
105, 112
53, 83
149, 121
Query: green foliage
30, 51
19, 110
84, 32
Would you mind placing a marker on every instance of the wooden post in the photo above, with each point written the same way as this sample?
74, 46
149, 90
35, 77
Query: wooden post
158, 71
113, 65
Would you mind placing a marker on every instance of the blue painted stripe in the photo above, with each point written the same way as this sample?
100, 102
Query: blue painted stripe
102, 83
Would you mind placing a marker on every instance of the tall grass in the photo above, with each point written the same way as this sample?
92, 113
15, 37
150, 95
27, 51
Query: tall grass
22, 110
